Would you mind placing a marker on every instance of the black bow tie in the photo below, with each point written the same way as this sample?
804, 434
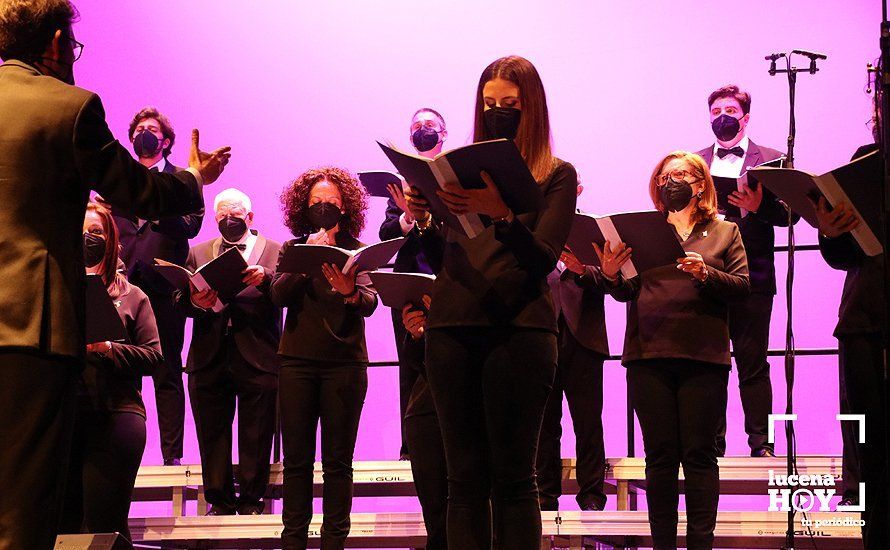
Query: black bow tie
226, 246
153, 169
737, 151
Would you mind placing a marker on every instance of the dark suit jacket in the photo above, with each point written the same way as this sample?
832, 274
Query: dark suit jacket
54, 147
410, 258
862, 302
255, 320
579, 299
757, 228
167, 239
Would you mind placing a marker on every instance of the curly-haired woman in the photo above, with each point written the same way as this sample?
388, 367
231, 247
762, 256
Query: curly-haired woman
324, 355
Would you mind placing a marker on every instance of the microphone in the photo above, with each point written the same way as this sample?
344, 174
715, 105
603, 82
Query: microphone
812, 55
773, 56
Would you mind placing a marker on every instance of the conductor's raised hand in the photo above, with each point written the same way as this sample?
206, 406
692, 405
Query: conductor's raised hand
210, 165
417, 205
834, 222
611, 259
342, 283
487, 201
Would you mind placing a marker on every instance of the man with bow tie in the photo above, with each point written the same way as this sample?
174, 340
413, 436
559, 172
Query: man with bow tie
731, 156
233, 357
167, 239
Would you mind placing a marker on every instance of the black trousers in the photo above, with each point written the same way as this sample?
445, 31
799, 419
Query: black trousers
408, 369
105, 457
490, 387
424, 439
334, 396
579, 374
679, 404
214, 391
169, 392
749, 331
36, 425
862, 364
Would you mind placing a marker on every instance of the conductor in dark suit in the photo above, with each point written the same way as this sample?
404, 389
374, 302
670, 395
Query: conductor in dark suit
578, 291
233, 357
56, 146
731, 156
428, 134
166, 238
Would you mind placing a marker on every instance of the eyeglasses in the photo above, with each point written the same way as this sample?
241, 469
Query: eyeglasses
77, 48
675, 175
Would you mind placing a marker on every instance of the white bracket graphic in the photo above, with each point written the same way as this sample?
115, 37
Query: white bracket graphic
860, 418
773, 418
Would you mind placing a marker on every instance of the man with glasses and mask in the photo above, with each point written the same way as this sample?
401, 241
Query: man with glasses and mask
56, 147
233, 357
428, 134
731, 156
166, 238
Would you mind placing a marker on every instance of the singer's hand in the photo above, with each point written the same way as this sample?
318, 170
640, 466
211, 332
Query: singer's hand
254, 275
747, 198
414, 320
834, 222
611, 259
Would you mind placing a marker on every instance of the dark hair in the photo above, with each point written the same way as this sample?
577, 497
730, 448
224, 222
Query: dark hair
114, 280
733, 92
533, 136
166, 127
429, 110
295, 200
27, 26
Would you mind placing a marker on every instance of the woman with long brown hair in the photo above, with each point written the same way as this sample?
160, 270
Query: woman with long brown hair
109, 433
324, 357
491, 333
676, 346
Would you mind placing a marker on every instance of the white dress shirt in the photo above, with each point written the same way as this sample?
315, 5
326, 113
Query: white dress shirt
729, 166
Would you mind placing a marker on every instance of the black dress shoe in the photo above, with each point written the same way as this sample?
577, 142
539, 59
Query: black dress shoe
172, 462
849, 501
220, 511
763, 452
251, 508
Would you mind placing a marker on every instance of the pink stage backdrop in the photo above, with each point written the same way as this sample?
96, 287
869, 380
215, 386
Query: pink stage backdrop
292, 85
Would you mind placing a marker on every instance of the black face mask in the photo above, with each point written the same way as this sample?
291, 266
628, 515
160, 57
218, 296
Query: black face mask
146, 144
324, 215
501, 122
232, 228
675, 195
93, 249
425, 139
726, 127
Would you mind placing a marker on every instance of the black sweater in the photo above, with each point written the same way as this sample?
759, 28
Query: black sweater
114, 384
499, 278
320, 327
671, 315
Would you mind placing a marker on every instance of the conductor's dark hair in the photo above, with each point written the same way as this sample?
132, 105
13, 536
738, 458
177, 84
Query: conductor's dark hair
295, 200
434, 112
27, 26
166, 127
733, 92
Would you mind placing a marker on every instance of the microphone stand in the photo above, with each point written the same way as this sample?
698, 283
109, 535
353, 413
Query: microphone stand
883, 85
791, 71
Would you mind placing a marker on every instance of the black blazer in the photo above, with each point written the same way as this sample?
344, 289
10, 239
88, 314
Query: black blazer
757, 228
56, 146
579, 299
673, 316
862, 302
410, 258
255, 320
320, 327
167, 239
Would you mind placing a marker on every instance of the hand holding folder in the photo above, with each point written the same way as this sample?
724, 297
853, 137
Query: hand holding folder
308, 259
223, 274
